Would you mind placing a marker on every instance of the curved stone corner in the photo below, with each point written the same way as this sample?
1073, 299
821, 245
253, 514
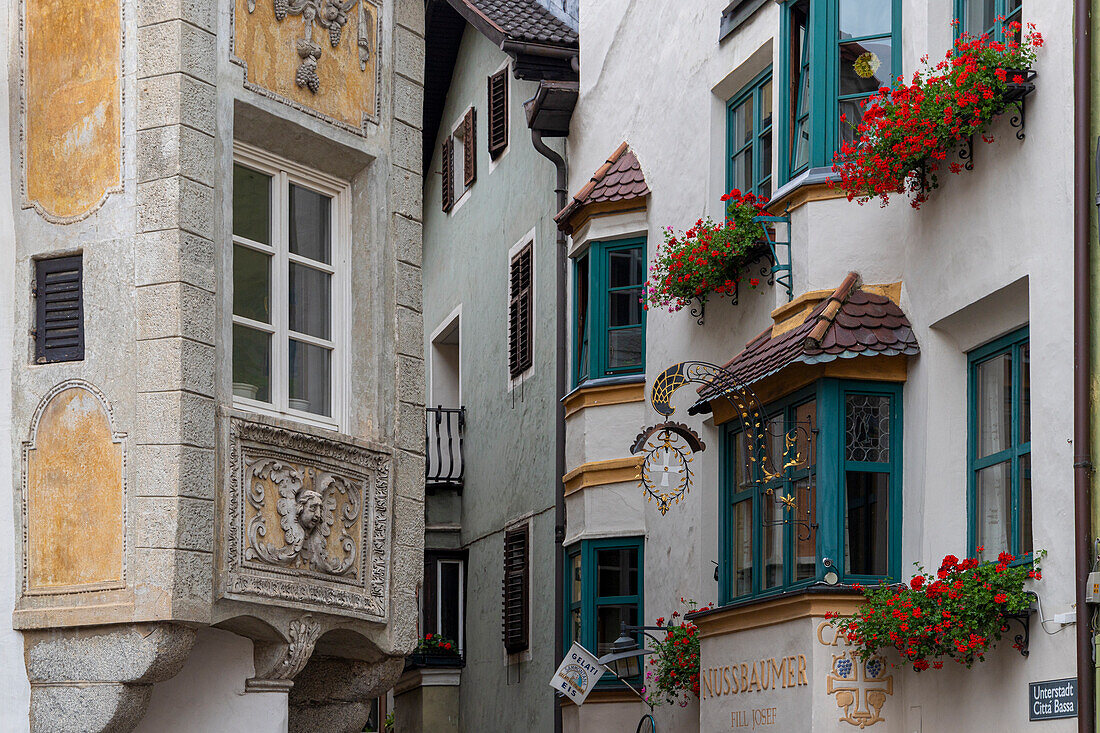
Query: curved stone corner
334, 694
98, 679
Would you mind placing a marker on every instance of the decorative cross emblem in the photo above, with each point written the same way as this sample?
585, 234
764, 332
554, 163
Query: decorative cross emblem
860, 688
671, 465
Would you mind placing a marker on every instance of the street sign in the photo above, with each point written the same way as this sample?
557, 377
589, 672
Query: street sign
1053, 699
577, 674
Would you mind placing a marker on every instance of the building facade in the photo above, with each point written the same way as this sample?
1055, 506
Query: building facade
898, 346
489, 283
212, 362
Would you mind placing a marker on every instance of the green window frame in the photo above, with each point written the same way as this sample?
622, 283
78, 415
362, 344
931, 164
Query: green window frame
999, 447
749, 137
609, 321
591, 608
850, 482
826, 46
977, 17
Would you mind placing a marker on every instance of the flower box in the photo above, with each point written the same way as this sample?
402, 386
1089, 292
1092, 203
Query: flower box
434, 659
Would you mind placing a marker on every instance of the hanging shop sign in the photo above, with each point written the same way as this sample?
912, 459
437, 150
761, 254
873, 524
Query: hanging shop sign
1052, 699
669, 449
577, 674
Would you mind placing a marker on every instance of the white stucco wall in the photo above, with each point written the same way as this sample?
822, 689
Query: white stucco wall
208, 693
989, 252
14, 689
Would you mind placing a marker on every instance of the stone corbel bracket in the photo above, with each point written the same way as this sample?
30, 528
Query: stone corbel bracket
277, 664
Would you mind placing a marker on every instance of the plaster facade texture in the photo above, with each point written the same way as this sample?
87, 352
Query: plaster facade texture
509, 437
157, 292
990, 252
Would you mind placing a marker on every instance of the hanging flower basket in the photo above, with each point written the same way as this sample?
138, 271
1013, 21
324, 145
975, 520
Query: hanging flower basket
909, 131
957, 615
672, 671
709, 258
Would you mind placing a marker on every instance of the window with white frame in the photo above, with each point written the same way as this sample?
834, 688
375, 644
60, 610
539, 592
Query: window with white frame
290, 242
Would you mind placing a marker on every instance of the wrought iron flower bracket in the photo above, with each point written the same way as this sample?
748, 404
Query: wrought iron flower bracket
780, 272
1021, 642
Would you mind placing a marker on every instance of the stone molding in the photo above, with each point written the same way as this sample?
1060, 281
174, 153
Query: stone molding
271, 472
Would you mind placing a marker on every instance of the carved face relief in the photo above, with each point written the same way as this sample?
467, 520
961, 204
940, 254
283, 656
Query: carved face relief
308, 521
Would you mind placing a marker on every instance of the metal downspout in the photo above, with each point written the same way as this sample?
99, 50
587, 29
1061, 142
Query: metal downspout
1082, 463
559, 411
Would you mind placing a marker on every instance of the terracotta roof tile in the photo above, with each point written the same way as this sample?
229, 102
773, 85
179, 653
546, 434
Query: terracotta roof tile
850, 322
526, 20
620, 178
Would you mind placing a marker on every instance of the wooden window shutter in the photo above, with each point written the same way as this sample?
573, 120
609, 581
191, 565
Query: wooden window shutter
469, 148
59, 309
448, 173
516, 601
498, 113
519, 314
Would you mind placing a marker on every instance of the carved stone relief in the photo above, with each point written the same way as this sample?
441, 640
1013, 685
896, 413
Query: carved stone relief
281, 45
308, 521
278, 664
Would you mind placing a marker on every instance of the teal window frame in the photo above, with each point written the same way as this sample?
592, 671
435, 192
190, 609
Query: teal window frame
831, 494
820, 58
1012, 344
591, 270
589, 601
761, 184
997, 30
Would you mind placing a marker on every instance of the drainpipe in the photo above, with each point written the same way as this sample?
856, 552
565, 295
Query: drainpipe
1082, 461
559, 412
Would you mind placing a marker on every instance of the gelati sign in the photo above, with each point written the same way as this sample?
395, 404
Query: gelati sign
1053, 699
577, 674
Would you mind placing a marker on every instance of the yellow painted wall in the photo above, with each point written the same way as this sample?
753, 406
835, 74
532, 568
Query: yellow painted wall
73, 102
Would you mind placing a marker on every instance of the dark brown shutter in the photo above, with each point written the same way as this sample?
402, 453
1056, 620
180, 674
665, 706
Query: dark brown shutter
516, 602
59, 309
448, 173
519, 314
498, 113
469, 148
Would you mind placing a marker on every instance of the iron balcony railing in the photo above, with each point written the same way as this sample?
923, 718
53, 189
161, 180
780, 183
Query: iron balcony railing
444, 429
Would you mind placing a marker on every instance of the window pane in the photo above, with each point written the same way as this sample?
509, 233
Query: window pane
805, 534
581, 278
851, 114
994, 509
609, 624
741, 172
742, 470
773, 542
575, 568
449, 599
867, 431
801, 156
978, 16
575, 624
805, 417
866, 523
1025, 393
765, 162
741, 572
766, 103
251, 204
626, 307
616, 572
624, 347
741, 123
994, 404
865, 66
310, 380
1025, 540
310, 301
251, 284
865, 18
777, 439
310, 224
251, 364
627, 267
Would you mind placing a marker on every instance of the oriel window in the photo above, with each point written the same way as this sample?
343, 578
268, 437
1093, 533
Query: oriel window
289, 289
609, 320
